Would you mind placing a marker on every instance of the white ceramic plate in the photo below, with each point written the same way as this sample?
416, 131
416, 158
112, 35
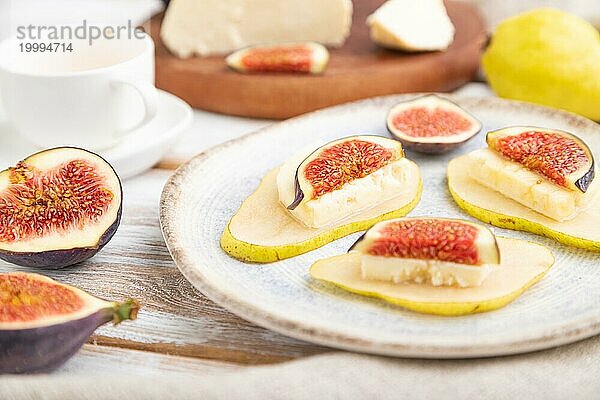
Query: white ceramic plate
203, 194
139, 151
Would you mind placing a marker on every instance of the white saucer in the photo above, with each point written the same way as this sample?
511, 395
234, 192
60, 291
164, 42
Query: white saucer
136, 153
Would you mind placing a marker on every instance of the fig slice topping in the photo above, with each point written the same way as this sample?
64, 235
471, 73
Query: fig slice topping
44, 322
337, 163
559, 156
440, 239
57, 207
431, 124
306, 57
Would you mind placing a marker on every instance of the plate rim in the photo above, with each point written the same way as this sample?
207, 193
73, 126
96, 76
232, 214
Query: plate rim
544, 338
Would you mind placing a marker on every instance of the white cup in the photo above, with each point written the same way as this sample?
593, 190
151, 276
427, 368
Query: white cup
91, 97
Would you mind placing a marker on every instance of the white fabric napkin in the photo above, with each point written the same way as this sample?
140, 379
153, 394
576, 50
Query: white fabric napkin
569, 372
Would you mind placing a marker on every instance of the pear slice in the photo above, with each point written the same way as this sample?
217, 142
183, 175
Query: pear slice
263, 230
490, 206
522, 264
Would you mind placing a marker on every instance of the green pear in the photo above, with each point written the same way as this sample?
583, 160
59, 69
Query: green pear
548, 57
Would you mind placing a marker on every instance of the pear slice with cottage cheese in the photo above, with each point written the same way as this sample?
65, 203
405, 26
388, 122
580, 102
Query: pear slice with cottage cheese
411, 25
321, 194
437, 266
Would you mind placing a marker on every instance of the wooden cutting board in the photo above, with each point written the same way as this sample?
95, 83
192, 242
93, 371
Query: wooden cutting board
358, 70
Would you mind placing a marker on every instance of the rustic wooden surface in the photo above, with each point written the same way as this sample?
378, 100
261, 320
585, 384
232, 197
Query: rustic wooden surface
178, 329
95, 360
176, 320
358, 70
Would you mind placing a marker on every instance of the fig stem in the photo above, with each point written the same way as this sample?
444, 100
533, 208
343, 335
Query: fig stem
124, 311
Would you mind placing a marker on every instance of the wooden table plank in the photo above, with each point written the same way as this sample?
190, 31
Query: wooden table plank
175, 319
94, 360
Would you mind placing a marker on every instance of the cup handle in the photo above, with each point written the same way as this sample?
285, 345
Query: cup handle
149, 96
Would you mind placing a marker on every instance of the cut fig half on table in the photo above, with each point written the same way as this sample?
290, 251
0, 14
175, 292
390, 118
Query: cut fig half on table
58, 207
320, 195
531, 179
437, 266
431, 124
44, 322
301, 57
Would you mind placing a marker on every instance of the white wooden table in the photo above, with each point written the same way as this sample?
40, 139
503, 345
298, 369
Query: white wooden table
178, 330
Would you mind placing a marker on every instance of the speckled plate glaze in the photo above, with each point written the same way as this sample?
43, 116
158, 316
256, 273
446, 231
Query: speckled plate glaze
203, 194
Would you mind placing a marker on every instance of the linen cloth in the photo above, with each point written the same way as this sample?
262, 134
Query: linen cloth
568, 372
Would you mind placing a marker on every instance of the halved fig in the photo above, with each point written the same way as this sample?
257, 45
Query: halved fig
522, 264
306, 57
43, 322
431, 124
489, 205
343, 186
58, 207
559, 156
334, 165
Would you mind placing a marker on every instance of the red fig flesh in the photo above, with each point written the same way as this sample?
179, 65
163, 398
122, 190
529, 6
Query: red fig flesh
57, 208
431, 124
43, 322
310, 58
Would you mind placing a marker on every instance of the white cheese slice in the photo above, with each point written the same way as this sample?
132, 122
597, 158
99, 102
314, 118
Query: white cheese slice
220, 26
524, 186
433, 272
412, 25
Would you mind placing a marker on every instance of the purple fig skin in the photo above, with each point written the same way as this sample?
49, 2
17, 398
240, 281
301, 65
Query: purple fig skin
57, 259
584, 182
429, 148
360, 239
299, 194
46, 348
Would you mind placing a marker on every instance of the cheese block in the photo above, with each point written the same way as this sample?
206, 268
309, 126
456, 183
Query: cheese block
412, 25
221, 26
